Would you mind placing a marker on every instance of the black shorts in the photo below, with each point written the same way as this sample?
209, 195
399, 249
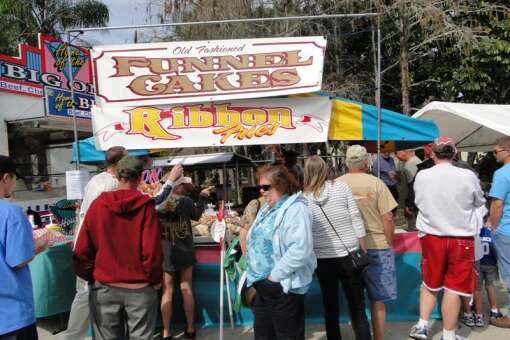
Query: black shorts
178, 255
26, 333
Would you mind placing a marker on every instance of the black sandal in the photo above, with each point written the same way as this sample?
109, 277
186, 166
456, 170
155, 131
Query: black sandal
190, 335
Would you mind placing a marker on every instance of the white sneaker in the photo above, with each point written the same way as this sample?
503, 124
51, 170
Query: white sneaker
457, 337
479, 320
420, 333
468, 319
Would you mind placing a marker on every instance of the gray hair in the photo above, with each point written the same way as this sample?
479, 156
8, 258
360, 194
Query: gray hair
357, 164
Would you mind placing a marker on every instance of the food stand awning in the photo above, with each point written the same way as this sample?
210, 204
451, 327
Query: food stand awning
89, 153
474, 127
354, 121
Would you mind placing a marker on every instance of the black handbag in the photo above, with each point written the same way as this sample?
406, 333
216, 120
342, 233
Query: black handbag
248, 295
359, 258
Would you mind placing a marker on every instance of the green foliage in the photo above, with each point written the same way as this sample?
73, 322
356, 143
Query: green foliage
474, 69
21, 21
457, 50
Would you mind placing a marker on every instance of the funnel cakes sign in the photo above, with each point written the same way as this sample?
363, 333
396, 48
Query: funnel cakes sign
188, 72
246, 122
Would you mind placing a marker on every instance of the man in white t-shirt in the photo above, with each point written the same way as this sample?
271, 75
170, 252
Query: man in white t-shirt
105, 181
447, 198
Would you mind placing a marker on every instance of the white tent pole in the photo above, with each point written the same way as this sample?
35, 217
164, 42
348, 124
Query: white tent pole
229, 300
222, 258
378, 95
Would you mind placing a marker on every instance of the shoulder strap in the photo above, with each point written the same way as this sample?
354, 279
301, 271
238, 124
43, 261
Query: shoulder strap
338, 235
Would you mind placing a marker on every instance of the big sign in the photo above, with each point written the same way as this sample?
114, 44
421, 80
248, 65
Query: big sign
243, 122
44, 72
198, 71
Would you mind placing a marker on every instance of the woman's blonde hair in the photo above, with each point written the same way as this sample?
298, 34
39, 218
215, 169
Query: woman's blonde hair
316, 174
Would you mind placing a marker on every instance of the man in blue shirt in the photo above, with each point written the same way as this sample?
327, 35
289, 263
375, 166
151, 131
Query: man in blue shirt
385, 164
17, 248
500, 218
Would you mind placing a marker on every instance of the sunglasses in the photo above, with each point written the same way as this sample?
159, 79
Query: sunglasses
498, 151
265, 187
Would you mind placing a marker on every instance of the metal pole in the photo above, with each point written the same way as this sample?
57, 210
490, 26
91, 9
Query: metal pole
378, 94
75, 128
222, 272
237, 184
173, 24
229, 299
225, 177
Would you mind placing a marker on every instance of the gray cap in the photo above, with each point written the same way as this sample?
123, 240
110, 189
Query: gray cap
130, 168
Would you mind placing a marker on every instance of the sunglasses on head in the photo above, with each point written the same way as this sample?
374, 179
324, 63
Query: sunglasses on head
265, 187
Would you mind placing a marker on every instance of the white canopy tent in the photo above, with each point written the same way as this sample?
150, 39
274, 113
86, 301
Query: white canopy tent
474, 127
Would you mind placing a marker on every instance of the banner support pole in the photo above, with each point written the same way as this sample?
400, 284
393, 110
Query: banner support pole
71, 87
378, 95
227, 21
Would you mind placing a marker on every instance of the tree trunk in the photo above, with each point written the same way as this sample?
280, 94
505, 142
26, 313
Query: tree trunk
405, 81
338, 50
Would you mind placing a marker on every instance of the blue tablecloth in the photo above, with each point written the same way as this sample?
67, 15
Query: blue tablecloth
53, 280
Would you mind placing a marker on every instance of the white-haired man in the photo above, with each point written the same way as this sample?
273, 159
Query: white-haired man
375, 203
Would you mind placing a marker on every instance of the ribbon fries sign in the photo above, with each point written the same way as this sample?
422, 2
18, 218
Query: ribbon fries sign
200, 71
248, 122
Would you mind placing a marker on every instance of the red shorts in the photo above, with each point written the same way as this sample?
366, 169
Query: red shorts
449, 263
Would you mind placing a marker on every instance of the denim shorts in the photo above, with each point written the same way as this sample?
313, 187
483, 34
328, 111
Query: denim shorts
380, 276
486, 274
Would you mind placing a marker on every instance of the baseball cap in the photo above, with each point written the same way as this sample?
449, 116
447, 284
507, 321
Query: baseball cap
444, 145
356, 152
7, 166
130, 167
183, 180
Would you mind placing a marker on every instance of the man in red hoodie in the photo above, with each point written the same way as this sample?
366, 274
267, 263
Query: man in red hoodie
118, 251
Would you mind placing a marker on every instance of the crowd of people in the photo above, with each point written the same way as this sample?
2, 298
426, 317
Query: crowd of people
129, 246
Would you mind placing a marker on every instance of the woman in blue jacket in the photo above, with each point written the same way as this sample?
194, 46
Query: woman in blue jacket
280, 256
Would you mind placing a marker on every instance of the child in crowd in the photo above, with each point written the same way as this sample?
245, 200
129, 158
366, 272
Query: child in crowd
487, 272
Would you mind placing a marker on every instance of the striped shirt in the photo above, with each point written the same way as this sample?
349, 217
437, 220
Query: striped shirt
338, 203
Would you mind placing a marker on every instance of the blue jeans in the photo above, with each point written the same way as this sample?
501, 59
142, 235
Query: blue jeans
502, 245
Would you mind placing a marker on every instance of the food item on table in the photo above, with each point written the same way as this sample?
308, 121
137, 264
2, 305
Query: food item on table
150, 189
43, 234
234, 228
201, 230
54, 227
207, 219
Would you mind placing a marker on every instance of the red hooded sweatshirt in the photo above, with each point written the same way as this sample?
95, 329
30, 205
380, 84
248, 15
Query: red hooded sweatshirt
119, 241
